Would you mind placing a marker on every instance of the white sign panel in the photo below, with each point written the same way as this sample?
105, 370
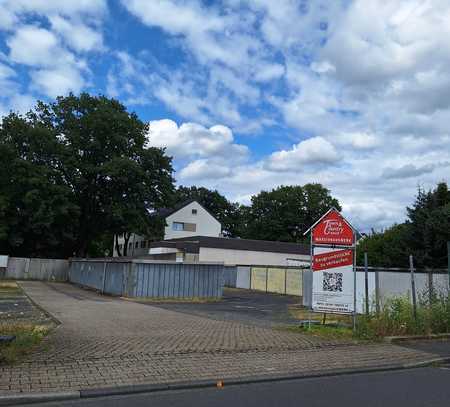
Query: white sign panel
3, 261
333, 284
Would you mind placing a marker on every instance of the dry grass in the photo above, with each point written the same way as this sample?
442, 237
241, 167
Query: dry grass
28, 336
8, 284
301, 313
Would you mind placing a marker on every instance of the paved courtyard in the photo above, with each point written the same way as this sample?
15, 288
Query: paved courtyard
105, 341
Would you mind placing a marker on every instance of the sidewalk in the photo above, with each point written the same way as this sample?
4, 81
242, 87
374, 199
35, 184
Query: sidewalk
104, 342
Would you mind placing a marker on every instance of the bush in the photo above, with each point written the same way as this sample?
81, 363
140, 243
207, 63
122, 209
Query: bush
396, 318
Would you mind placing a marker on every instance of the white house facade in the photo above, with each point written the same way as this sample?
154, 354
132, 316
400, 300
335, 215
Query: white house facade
191, 220
185, 220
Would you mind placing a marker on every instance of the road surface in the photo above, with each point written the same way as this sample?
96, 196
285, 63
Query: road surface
406, 388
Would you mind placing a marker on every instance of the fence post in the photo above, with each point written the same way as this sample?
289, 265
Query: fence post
285, 280
430, 286
267, 277
366, 281
413, 286
377, 291
448, 260
104, 277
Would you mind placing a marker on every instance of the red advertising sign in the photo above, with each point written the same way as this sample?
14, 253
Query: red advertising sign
333, 230
330, 260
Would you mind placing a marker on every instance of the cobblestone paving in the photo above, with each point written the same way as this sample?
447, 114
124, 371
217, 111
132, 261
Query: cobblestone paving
104, 342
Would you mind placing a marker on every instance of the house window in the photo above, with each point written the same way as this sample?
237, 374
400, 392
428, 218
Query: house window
130, 245
178, 226
143, 244
194, 211
136, 245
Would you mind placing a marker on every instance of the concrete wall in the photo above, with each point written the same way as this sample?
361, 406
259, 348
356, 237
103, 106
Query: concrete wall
391, 284
149, 279
280, 280
249, 257
206, 224
20, 268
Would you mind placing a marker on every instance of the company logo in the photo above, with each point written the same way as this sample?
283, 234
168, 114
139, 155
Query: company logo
333, 227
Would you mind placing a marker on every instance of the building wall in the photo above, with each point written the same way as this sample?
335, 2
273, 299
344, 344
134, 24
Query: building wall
246, 257
135, 240
205, 224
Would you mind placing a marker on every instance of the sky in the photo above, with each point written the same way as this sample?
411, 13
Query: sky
247, 95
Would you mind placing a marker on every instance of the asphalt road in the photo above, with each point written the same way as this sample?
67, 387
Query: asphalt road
407, 388
244, 306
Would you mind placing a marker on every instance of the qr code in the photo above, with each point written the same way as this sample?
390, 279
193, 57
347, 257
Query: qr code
332, 281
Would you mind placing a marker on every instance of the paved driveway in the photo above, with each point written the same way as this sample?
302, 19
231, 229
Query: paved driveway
245, 306
104, 341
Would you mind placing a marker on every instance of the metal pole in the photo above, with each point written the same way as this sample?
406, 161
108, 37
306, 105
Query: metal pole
413, 285
377, 291
366, 281
354, 289
448, 260
311, 254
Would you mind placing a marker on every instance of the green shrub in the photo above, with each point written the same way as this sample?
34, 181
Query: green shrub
396, 317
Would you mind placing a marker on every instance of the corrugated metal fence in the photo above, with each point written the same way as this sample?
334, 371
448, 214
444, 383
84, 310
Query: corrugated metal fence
20, 268
143, 278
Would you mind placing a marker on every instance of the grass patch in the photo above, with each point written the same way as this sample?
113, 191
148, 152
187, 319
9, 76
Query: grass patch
305, 314
324, 331
28, 336
8, 285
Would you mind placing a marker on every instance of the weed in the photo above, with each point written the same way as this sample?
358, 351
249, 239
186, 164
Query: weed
28, 336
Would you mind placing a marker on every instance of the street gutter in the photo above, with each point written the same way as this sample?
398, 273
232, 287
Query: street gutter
29, 398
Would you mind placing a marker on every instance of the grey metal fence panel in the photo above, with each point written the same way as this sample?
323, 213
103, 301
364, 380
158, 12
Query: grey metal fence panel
307, 288
150, 279
230, 276
441, 283
114, 278
20, 268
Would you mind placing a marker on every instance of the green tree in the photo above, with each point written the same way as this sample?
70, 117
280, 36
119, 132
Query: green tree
424, 234
286, 212
82, 171
36, 207
389, 248
226, 212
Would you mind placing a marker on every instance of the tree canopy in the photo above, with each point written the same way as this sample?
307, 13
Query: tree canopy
286, 212
75, 170
424, 234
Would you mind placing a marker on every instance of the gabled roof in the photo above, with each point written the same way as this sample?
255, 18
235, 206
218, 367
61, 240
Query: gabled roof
166, 212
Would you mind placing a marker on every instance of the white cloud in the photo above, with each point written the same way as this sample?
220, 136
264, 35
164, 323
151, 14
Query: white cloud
207, 152
269, 72
204, 169
48, 37
358, 140
32, 45
58, 81
194, 140
315, 150
78, 36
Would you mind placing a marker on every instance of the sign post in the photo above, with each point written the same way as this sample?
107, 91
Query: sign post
333, 241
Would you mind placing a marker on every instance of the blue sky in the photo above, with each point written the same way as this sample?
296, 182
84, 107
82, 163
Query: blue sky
251, 94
